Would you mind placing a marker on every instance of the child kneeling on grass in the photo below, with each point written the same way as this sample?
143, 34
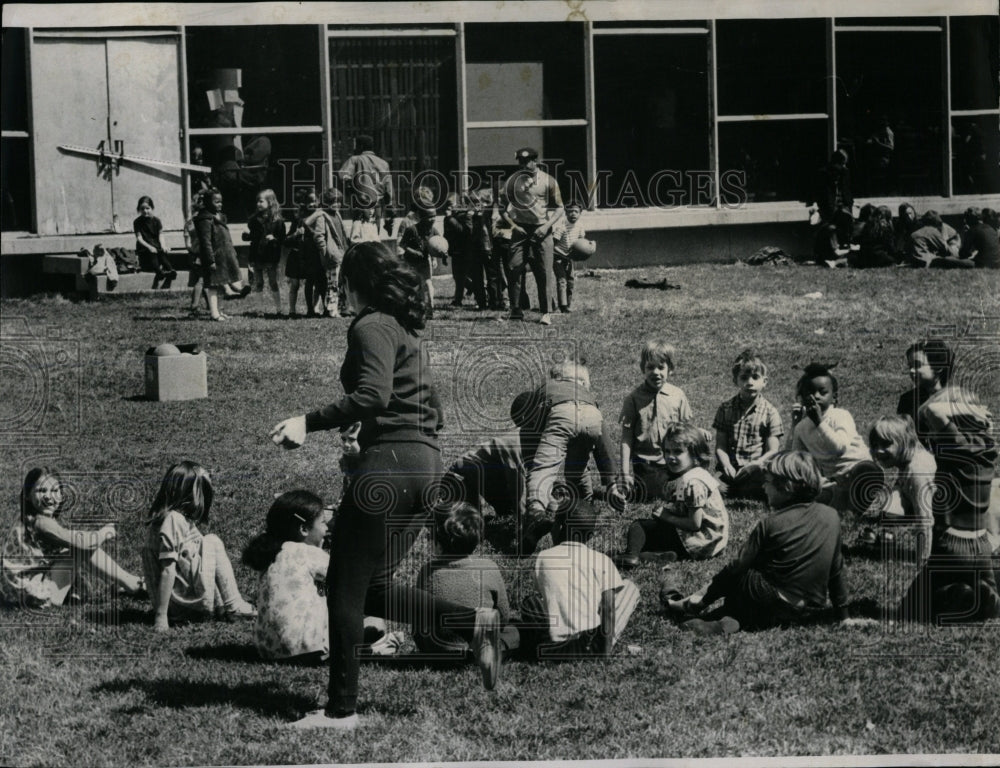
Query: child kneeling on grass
189, 575
584, 604
788, 565
454, 574
694, 524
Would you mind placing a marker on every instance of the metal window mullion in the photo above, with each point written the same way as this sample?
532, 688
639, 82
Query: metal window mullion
946, 128
590, 108
713, 105
461, 75
831, 83
185, 119
326, 102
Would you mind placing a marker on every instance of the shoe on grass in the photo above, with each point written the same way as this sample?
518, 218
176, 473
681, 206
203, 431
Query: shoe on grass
319, 719
486, 646
727, 625
545, 319
625, 561
660, 558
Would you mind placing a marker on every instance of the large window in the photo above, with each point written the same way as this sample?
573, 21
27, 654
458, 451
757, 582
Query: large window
889, 84
254, 107
975, 104
651, 88
771, 110
15, 145
401, 91
525, 87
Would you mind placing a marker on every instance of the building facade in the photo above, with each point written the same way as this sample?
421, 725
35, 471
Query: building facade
664, 120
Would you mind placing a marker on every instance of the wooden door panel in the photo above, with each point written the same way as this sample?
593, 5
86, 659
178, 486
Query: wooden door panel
145, 116
69, 98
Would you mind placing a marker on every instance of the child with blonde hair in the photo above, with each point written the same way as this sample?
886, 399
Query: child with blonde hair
266, 236
189, 574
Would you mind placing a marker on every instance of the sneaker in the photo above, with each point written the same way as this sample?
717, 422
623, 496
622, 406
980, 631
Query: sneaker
486, 645
112, 284
319, 719
241, 610
625, 561
727, 625
545, 319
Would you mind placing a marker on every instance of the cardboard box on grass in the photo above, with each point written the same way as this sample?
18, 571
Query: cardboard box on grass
176, 377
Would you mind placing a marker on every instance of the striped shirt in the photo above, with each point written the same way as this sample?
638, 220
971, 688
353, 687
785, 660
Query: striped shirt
566, 234
748, 428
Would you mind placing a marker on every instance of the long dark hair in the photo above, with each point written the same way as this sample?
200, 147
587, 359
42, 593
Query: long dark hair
186, 488
33, 478
386, 283
288, 513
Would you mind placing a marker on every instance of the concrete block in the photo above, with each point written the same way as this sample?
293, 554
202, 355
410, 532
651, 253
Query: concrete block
177, 377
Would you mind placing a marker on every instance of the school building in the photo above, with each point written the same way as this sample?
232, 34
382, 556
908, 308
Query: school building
694, 130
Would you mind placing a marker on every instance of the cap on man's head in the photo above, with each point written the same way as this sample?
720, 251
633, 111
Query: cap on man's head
526, 153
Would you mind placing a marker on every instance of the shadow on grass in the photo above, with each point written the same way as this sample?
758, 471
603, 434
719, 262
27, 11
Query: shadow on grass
243, 653
265, 698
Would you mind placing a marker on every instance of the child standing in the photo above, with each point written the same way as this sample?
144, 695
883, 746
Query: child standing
42, 558
646, 412
266, 236
215, 250
747, 427
330, 237
828, 434
455, 575
694, 524
566, 232
147, 230
583, 604
364, 222
188, 574
299, 265
458, 232
413, 242
789, 564
292, 618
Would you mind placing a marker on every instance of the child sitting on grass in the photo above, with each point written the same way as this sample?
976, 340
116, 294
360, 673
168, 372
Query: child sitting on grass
646, 412
583, 604
828, 434
292, 617
748, 429
694, 523
42, 558
189, 575
909, 496
789, 564
454, 574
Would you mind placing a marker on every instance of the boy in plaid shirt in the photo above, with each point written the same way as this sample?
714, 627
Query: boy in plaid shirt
566, 232
748, 429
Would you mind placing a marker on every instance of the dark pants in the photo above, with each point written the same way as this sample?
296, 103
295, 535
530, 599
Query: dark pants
460, 272
387, 501
751, 600
536, 643
525, 253
496, 280
654, 535
958, 583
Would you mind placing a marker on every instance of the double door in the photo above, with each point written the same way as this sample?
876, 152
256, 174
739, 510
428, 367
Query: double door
119, 91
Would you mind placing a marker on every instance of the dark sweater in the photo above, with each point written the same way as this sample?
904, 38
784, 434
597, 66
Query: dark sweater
982, 240
387, 381
797, 549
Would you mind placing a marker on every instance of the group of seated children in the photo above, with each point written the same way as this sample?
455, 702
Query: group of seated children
921, 240
933, 478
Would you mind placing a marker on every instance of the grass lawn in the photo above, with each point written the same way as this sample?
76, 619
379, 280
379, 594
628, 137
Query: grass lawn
93, 685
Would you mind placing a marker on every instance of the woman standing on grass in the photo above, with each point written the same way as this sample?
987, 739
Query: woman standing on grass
391, 486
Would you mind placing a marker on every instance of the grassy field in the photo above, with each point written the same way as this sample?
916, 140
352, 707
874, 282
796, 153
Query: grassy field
93, 685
